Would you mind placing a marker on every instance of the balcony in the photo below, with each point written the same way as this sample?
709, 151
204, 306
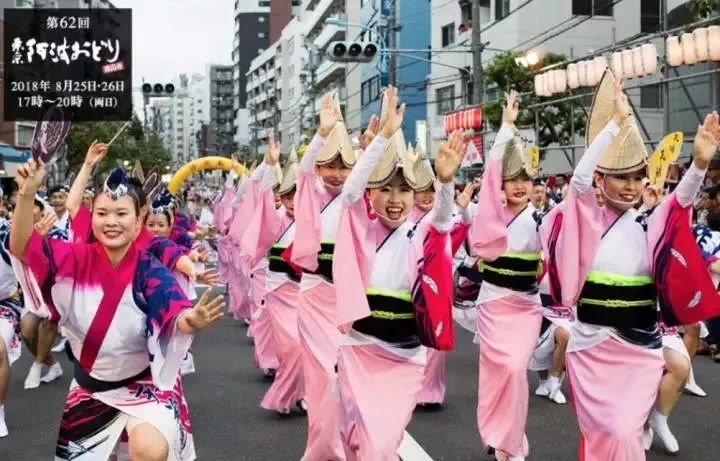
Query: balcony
327, 71
329, 34
318, 15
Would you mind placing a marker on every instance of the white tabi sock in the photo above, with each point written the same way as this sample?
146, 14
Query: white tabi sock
3, 426
542, 389
659, 424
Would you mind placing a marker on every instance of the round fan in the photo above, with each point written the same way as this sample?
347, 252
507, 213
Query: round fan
49, 134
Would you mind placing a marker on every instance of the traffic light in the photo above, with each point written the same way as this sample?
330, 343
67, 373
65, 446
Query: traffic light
158, 89
352, 51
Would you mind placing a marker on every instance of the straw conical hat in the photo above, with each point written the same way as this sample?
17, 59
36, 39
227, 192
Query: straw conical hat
278, 175
338, 143
424, 174
516, 161
627, 151
290, 174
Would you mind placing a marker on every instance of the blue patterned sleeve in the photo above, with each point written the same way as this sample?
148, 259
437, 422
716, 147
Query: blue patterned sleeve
5, 241
163, 302
166, 251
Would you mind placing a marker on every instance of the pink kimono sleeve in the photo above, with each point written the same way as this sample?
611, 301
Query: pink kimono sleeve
223, 210
308, 231
353, 262
263, 228
246, 209
81, 225
46, 261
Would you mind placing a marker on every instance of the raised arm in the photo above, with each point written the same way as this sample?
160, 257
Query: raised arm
29, 177
447, 162
704, 148
96, 152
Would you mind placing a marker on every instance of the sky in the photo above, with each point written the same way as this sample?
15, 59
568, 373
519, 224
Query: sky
171, 37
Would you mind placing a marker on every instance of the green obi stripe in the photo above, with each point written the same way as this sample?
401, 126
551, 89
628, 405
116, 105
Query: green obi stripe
623, 301
392, 316
516, 271
325, 259
276, 263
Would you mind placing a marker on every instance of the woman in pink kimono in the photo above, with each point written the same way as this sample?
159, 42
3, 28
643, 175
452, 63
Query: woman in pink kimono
381, 361
322, 174
247, 200
508, 312
127, 322
269, 235
605, 267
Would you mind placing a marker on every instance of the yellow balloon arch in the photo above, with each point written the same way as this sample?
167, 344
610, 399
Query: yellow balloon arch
203, 163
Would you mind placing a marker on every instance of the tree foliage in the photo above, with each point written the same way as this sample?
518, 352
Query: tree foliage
554, 120
704, 8
131, 145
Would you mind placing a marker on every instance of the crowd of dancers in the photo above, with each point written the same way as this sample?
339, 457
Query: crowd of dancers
341, 264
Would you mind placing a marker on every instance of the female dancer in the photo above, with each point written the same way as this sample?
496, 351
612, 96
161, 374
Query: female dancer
329, 158
380, 362
127, 322
269, 234
614, 359
506, 238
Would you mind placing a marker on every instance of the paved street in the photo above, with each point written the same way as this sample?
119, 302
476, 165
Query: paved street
229, 425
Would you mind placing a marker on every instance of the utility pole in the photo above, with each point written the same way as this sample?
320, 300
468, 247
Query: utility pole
477, 48
392, 41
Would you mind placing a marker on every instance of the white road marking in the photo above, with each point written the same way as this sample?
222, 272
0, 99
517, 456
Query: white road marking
410, 450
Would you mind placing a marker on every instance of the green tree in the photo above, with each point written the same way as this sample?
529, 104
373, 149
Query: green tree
704, 8
131, 145
554, 120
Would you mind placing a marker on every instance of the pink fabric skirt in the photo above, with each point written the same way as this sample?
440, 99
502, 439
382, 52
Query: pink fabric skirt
224, 251
507, 331
287, 389
434, 381
378, 392
320, 340
613, 387
260, 325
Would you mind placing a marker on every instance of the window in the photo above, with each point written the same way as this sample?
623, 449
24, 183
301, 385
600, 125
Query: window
651, 97
292, 93
649, 16
263, 2
445, 99
448, 34
262, 35
260, 50
370, 90
261, 19
585, 7
502, 9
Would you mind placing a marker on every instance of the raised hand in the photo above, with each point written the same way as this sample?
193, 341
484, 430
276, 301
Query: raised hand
272, 156
203, 314
512, 107
465, 197
622, 106
96, 152
394, 115
449, 157
30, 176
43, 226
706, 141
329, 116
370, 132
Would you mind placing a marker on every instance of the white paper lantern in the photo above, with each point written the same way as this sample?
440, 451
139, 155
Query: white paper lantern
600, 63
714, 42
592, 76
538, 85
560, 78
627, 64
638, 62
700, 36
550, 82
673, 51
649, 58
582, 73
688, 47
617, 63
572, 76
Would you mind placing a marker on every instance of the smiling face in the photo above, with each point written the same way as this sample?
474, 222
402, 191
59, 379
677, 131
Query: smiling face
115, 222
621, 191
87, 200
517, 190
159, 225
57, 201
424, 199
334, 175
393, 202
